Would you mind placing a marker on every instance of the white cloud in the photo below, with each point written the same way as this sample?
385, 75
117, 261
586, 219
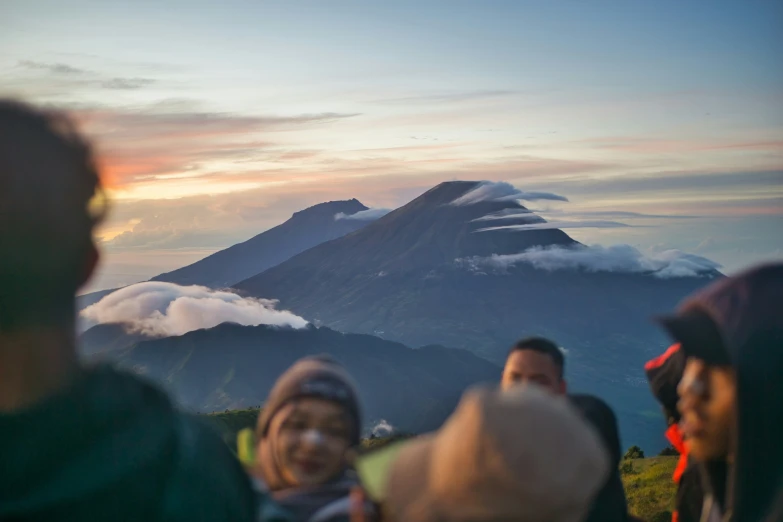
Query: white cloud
502, 191
371, 214
510, 213
616, 258
557, 224
165, 309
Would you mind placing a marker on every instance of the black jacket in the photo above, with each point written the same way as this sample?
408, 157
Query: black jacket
112, 447
610, 505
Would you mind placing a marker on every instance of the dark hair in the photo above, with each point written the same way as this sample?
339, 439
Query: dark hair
542, 345
48, 189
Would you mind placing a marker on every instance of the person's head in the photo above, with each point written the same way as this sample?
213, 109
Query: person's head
708, 407
535, 361
48, 189
707, 389
309, 422
485, 464
731, 334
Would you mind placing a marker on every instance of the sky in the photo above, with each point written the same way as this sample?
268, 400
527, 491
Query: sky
214, 121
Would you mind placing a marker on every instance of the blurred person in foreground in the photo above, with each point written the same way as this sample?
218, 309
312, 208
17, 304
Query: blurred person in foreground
309, 427
731, 393
540, 362
79, 443
521, 455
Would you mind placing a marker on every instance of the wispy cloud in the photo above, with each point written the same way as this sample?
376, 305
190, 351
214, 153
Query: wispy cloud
707, 181
613, 214
445, 97
179, 139
508, 214
371, 214
669, 146
127, 83
556, 224
616, 258
55, 68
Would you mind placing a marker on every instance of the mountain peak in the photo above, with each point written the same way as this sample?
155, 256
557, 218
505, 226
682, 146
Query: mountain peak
428, 234
331, 208
307, 228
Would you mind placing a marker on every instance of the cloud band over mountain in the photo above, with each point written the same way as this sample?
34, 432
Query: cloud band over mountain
165, 309
616, 258
501, 191
549, 225
371, 214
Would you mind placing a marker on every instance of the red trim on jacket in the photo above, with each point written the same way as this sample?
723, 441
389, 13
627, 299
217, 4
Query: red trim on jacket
674, 435
658, 361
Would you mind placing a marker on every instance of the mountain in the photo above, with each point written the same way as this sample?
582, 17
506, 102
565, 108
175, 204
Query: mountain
306, 229
107, 341
85, 300
233, 366
411, 277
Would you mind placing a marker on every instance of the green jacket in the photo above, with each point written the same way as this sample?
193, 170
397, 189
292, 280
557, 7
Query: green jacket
113, 448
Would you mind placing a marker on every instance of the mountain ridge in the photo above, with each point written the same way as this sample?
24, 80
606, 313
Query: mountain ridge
241, 260
305, 229
234, 366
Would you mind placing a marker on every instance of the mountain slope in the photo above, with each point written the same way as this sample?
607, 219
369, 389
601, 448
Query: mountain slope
233, 366
400, 278
305, 229
107, 341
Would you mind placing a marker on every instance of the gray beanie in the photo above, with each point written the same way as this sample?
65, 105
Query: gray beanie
317, 376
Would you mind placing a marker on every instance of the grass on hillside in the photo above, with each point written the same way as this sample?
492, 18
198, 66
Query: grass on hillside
649, 487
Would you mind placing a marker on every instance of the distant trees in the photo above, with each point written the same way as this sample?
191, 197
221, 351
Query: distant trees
634, 452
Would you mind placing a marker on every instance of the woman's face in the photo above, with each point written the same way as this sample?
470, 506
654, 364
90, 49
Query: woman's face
707, 405
313, 436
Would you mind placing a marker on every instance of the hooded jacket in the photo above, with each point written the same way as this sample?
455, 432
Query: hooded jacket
112, 447
747, 315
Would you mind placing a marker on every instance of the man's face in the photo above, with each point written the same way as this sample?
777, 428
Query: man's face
708, 408
528, 366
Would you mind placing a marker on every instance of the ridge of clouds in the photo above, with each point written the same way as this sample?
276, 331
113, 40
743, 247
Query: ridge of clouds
620, 258
160, 309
